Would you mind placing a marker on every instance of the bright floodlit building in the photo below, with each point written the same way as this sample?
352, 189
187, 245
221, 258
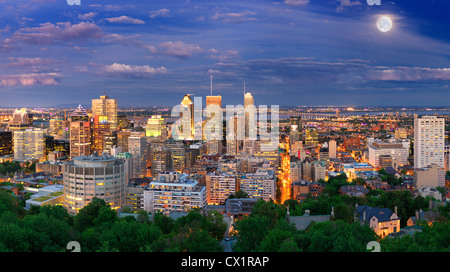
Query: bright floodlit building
428, 141
29, 144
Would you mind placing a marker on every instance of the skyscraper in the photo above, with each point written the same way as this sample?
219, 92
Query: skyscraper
156, 127
428, 141
80, 133
137, 145
311, 136
248, 102
6, 143
108, 107
188, 123
101, 134
29, 144
20, 120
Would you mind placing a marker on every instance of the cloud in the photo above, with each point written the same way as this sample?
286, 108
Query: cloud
125, 20
296, 2
409, 74
179, 49
227, 55
87, 16
133, 70
159, 13
234, 17
30, 79
27, 62
49, 33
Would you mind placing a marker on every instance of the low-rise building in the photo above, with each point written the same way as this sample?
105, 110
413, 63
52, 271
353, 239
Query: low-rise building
382, 220
48, 195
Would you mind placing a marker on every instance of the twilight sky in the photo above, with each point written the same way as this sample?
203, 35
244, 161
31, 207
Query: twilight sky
288, 52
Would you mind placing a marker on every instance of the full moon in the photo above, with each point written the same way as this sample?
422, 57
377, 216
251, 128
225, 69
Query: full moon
384, 24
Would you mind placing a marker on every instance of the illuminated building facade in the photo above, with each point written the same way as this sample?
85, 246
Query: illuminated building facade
188, 123
29, 144
156, 128
429, 132
92, 176
137, 145
382, 220
20, 120
80, 133
173, 191
260, 184
6, 143
107, 107
311, 136
219, 186
101, 134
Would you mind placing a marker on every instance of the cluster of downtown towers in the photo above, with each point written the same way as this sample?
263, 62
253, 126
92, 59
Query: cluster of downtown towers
104, 154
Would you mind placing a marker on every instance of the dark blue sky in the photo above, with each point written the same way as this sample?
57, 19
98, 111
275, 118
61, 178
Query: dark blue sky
289, 52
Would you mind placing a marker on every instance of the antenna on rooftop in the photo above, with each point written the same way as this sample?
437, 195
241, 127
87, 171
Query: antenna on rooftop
211, 85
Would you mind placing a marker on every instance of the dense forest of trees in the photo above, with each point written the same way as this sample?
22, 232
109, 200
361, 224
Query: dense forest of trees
99, 229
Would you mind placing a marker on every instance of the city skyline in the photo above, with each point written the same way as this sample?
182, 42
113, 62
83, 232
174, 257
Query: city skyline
292, 52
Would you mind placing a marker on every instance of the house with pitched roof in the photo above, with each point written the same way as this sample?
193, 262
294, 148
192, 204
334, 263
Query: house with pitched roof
382, 220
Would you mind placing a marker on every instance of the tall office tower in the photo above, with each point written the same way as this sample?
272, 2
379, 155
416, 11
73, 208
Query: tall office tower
6, 143
173, 191
80, 133
248, 101
122, 121
177, 155
92, 176
137, 145
160, 158
56, 128
295, 123
214, 123
311, 136
29, 144
219, 186
101, 134
108, 107
20, 120
187, 123
428, 141
332, 149
122, 139
156, 128
211, 121
260, 184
